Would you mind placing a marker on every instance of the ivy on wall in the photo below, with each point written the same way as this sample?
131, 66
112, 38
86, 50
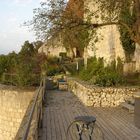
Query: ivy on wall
128, 17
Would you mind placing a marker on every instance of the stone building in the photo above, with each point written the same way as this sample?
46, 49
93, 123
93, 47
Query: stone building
52, 47
108, 46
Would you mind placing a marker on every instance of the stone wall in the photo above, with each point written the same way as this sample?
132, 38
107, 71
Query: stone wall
54, 47
100, 96
108, 45
13, 104
137, 58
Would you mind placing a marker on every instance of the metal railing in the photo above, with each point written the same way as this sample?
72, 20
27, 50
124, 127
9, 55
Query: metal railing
34, 112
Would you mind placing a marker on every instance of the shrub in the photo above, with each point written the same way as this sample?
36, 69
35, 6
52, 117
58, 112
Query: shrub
53, 69
71, 67
52, 66
53, 60
108, 78
94, 67
96, 73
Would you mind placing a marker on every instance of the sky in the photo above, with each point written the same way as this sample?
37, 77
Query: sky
13, 13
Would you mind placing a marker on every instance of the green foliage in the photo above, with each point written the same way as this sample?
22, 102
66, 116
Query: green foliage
53, 70
74, 67
3, 64
24, 68
53, 60
76, 37
127, 16
27, 49
108, 77
53, 67
71, 68
96, 73
7, 63
8, 79
25, 71
94, 67
119, 67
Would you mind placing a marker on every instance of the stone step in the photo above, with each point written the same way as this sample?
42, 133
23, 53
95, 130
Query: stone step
63, 85
137, 94
130, 107
131, 101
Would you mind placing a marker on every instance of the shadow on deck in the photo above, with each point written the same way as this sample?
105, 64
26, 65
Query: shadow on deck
61, 108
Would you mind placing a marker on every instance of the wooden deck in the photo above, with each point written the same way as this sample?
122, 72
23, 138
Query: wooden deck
62, 107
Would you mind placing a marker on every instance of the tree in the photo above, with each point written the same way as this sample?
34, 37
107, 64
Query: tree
37, 45
57, 16
27, 49
28, 66
3, 64
24, 68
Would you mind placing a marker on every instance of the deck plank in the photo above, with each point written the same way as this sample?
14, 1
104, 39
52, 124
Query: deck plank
61, 127
62, 107
108, 132
53, 125
64, 124
57, 128
112, 126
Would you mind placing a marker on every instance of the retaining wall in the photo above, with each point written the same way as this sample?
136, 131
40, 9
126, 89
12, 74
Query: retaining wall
100, 96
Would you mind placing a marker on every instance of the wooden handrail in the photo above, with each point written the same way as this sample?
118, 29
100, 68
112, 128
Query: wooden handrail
25, 136
40, 91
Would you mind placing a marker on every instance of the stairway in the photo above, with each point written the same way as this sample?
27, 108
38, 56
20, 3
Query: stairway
72, 66
129, 105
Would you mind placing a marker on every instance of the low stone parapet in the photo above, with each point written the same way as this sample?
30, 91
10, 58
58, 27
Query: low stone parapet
13, 105
100, 96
